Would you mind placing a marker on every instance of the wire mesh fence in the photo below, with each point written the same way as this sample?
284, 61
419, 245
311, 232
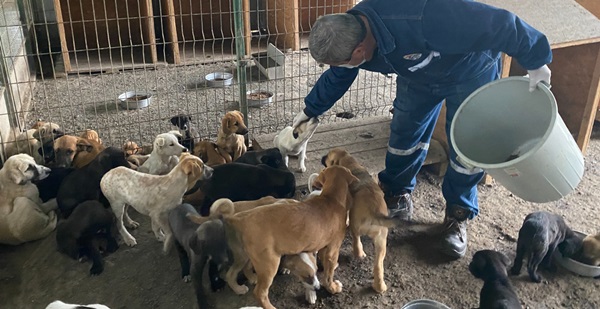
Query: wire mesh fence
68, 61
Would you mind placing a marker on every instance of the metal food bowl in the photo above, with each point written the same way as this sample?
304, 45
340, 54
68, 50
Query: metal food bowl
219, 79
258, 98
135, 99
575, 266
424, 304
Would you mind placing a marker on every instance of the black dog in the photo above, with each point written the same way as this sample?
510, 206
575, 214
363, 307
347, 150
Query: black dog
200, 243
497, 292
78, 235
244, 182
542, 232
187, 130
48, 187
271, 157
84, 184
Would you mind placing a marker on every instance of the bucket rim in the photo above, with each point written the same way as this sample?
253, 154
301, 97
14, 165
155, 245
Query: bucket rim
545, 89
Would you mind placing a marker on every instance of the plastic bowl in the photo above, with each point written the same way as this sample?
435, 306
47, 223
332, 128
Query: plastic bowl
219, 79
135, 99
258, 98
576, 267
424, 304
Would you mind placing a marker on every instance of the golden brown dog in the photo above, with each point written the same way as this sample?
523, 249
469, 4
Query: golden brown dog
209, 153
367, 213
30, 141
591, 249
230, 137
75, 151
91, 135
264, 234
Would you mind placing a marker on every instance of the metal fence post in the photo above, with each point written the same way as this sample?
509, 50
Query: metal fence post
241, 60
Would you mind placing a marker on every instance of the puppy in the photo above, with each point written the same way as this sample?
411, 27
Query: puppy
271, 157
244, 182
230, 137
304, 266
209, 153
264, 234
24, 217
293, 141
368, 213
131, 148
497, 292
151, 195
91, 135
591, 250
84, 183
48, 187
76, 236
57, 304
199, 244
31, 140
165, 154
190, 135
75, 151
542, 232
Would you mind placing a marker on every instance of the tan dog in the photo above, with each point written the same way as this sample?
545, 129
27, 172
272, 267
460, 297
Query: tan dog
131, 148
209, 153
230, 139
31, 140
264, 234
23, 216
591, 249
151, 195
367, 214
75, 151
91, 135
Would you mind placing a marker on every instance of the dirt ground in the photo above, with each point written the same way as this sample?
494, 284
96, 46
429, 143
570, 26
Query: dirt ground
34, 274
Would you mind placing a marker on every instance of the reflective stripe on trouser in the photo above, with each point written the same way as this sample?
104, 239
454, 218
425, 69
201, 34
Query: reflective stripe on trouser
416, 110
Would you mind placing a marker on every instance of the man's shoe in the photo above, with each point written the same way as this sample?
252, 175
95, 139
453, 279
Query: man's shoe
400, 206
454, 243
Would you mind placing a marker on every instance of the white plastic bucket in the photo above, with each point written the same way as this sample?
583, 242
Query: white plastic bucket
518, 138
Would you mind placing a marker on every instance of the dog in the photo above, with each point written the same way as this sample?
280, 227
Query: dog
48, 187
271, 157
77, 236
151, 195
591, 250
84, 183
91, 135
230, 137
293, 141
243, 182
24, 217
165, 154
131, 148
264, 234
57, 304
497, 292
75, 151
199, 244
190, 135
30, 141
542, 232
368, 213
209, 153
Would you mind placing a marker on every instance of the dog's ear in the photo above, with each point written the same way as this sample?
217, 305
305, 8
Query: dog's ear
41, 131
174, 120
84, 145
160, 142
238, 114
255, 145
504, 259
17, 174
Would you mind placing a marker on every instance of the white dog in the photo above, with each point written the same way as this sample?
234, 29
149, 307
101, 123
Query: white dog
57, 304
165, 154
293, 141
23, 216
151, 195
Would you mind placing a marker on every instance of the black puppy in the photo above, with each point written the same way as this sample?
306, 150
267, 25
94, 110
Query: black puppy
244, 182
271, 157
84, 183
190, 135
200, 243
542, 232
48, 187
78, 235
497, 292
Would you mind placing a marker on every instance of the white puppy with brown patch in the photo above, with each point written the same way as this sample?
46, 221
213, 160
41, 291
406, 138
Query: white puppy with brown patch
23, 216
165, 154
151, 195
292, 141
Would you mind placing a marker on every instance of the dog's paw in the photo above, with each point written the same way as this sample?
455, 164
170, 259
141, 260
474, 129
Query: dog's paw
160, 237
217, 284
360, 254
187, 278
285, 271
302, 169
130, 241
311, 296
240, 289
335, 287
379, 287
96, 269
133, 225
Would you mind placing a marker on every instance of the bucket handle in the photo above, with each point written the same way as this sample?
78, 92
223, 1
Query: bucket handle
464, 163
543, 82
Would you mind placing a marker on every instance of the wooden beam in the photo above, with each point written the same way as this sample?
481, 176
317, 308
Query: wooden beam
591, 106
148, 39
247, 29
63, 38
172, 30
283, 23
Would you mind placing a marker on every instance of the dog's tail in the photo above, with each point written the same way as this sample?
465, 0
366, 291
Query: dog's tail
223, 207
311, 180
412, 225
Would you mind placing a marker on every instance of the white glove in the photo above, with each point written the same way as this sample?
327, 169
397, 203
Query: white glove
537, 76
300, 117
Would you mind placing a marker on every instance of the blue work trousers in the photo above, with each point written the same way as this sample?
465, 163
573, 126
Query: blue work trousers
416, 110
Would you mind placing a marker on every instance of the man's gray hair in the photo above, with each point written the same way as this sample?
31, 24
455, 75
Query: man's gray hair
334, 37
